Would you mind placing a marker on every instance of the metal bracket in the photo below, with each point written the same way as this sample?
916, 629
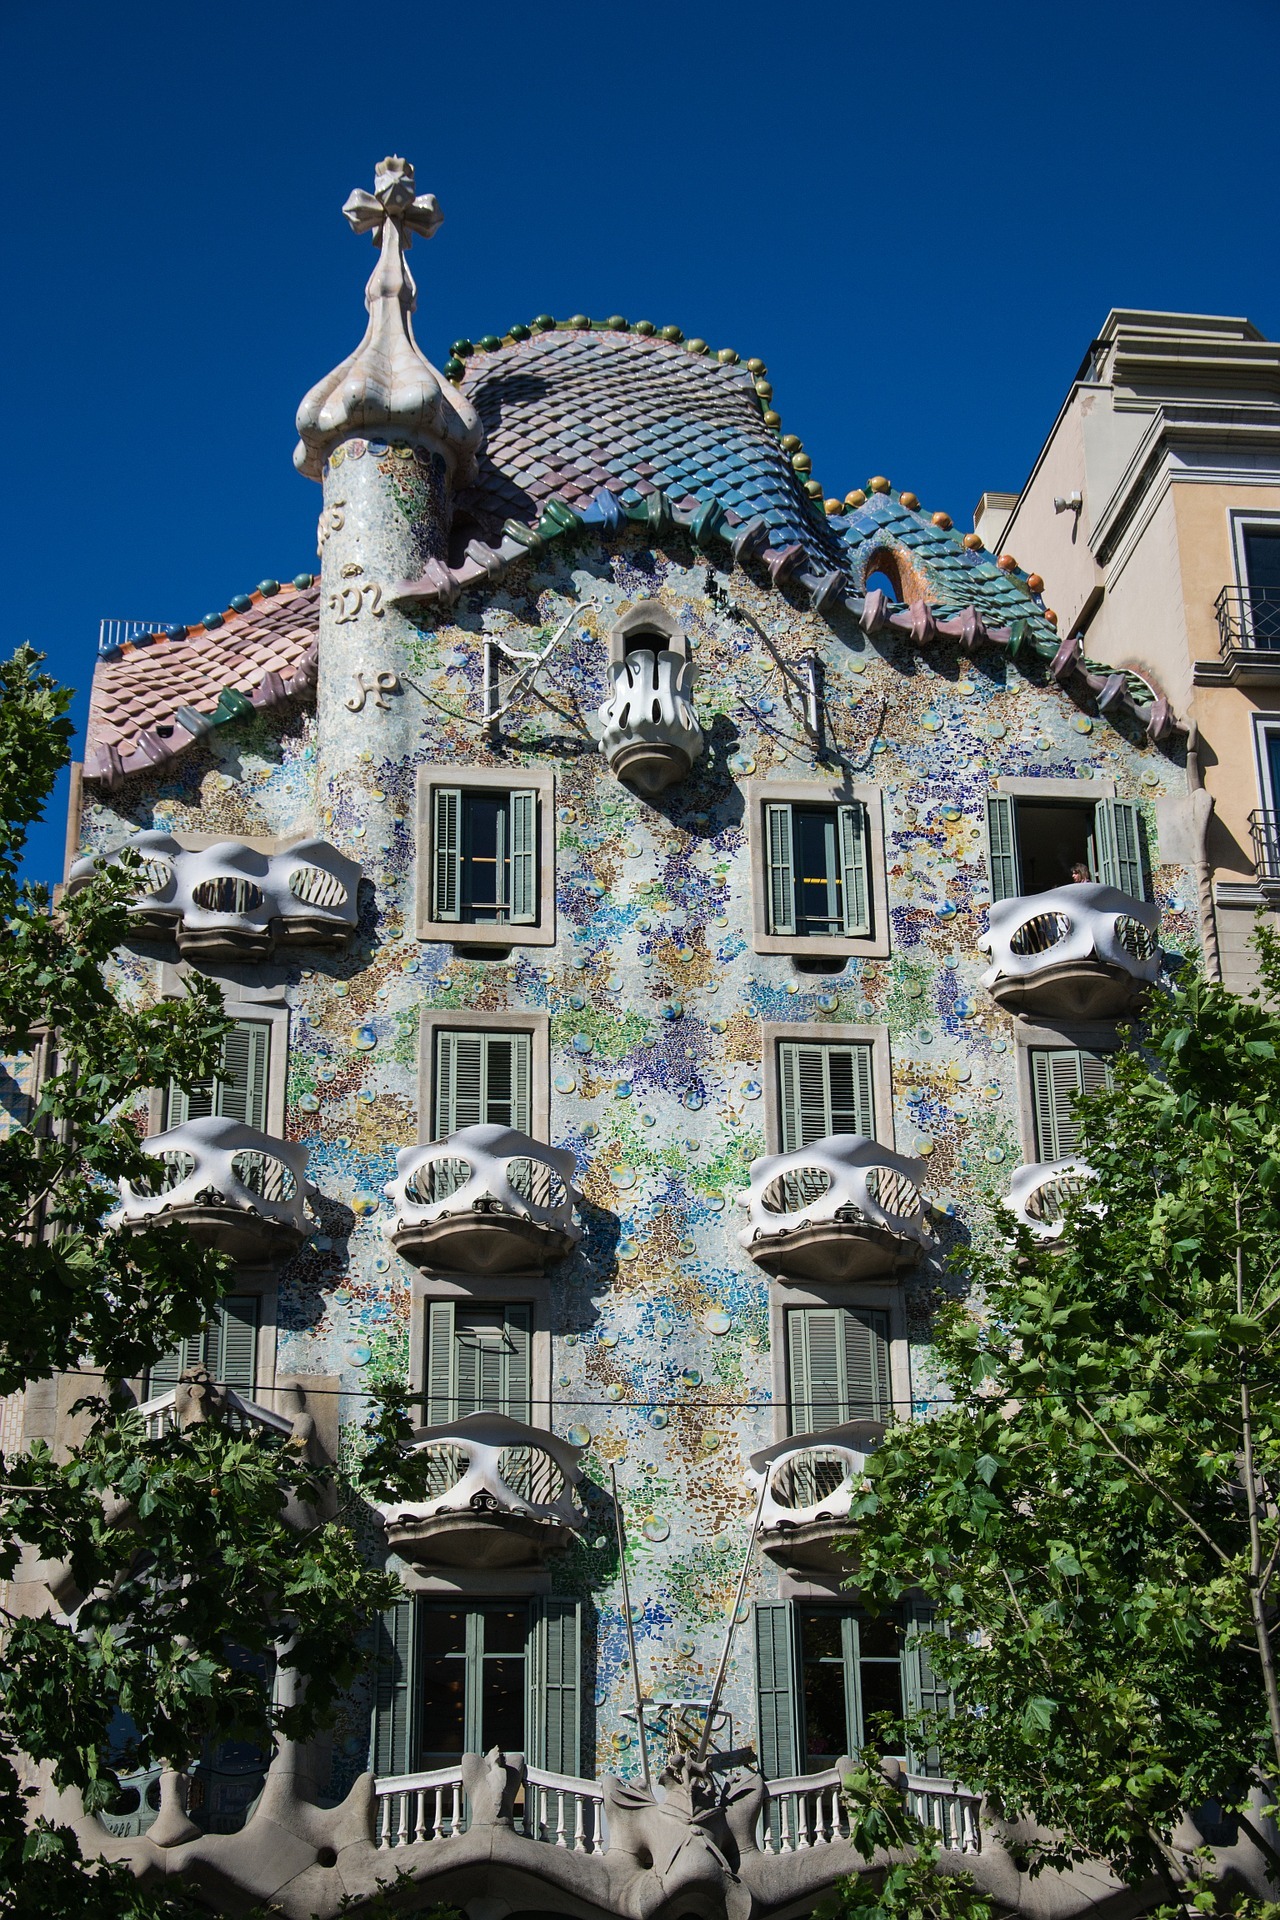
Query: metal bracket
495, 708
801, 683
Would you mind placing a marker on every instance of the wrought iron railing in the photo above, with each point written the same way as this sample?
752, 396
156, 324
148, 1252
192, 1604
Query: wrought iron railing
1265, 828
1248, 619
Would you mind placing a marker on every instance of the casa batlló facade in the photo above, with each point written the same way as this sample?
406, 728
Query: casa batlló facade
664, 913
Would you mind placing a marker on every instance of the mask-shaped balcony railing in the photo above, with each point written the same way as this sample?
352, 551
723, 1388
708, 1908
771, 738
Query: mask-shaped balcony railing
486, 1200
229, 1185
1082, 952
649, 732
229, 901
812, 1480
1038, 1194
496, 1493
842, 1208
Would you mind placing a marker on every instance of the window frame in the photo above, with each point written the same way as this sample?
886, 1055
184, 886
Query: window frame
432, 1020
826, 1033
864, 1296
539, 932
265, 1006
759, 795
1084, 792
1263, 726
647, 616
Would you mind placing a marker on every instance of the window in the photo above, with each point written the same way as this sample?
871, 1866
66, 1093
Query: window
462, 1677
1034, 845
482, 1078
818, 880
828, 1678
823, 1089
1259, 551
228, 1347
238, 1091
837, 1367
1059, 1077
477, 1360
484, 856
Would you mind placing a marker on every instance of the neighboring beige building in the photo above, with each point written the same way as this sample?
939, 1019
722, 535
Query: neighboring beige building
1153, 515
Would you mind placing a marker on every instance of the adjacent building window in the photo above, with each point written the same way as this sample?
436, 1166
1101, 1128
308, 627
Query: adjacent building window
484, 856
482, 1078
837, 1367
456, 1677
1059, 1077
1034, 845
824, 1088
228, 1348
819, 870
239, 1089
831, 1680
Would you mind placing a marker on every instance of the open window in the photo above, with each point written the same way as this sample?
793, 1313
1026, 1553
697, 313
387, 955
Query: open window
486, 851
1036, 844
819, 870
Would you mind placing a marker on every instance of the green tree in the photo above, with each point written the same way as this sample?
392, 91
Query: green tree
180, 1545
1097, 1512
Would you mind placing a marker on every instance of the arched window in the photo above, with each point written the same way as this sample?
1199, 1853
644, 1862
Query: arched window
880, 575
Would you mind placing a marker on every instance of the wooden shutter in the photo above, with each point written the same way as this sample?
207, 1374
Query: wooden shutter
855, 878
824, 1089
866, 1364
775, 1692
838, 1366
781, 878
553, 1662
1117, 843
441, 1368
1059, 1077
517, 1389
1003, 862
395, 1659
923, 1691
239, 1089
231, 1343
446, 853
522, 879
483, 1077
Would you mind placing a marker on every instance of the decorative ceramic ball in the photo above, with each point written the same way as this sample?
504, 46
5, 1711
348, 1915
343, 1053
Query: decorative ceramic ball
616, 323
765, 389
580, 323
695, 346
772, 419
814, 489
911, 501
942, 520
1034, 583
544, 323
878, 484
791, 443
674, 334
756, 366
974, 542
855, 498
1051, 616
833, 506
727, 357
1007, 563
646, 327
489, 342
801, 462
461, 348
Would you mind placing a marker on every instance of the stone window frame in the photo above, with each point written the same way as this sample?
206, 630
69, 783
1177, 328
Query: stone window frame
820, 793
466, 1020
1092, 1036
868, 1295
647, 616
826, 1033
465, 933
242, 999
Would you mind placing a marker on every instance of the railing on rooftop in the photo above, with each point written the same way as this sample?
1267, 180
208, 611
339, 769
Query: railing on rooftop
114, 633
1264, 825
1248, 619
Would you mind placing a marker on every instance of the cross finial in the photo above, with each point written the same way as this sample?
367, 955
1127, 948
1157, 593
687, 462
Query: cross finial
393, 199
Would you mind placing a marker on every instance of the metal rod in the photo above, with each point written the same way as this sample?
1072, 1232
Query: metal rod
723, 1669
631, 1630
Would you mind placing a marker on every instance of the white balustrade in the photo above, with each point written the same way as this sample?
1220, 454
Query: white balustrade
419, 1806
486, 1462
808, 1811
487, 1173
1038, 1192
564, 1811
1034, 933
159, 1414
845, 1181
813, 1476
218, 1163
951, 1810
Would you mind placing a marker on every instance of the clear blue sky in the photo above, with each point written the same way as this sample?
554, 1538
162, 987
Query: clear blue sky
917, 215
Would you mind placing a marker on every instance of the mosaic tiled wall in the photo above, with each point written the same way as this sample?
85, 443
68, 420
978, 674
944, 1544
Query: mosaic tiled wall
661, 1361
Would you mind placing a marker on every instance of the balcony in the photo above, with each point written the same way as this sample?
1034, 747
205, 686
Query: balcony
230, 902
841, 1209
1248, 639
812, 1479
649, 732
1038, 1194
486, 1200
230, 1186
1264, 827
1082, 952
496, 1493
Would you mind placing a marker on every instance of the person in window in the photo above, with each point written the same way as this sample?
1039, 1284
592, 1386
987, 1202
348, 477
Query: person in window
1079, 872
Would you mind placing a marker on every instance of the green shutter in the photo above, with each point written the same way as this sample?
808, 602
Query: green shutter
391, 1744
854, 875
441, 1370
838, 1366
782, 890
483, 1078
517, 1392
1059, 1077
239, 1090
553, 1663
923, 1691
491, 1359
775, 1692
522, 884
824, 1089
1003, 862
1117, 844
231, 1343
446, 853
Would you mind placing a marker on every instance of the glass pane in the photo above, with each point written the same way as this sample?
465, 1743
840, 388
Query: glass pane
444, 1697
504, 1632
826, 1721
485, 822
503, 1714
881, 1695
1262, 557
820, 1636
443, 1630
880, 1638
817, 870
1273, 766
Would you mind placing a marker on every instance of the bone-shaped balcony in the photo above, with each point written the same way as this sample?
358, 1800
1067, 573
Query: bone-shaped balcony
1038, 1194
486, 1200
649, 732
1082, 952
812, 1481
230, 1186
842, 1208
495, 1493
231, 902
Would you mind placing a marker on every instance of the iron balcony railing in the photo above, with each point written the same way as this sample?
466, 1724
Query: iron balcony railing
1248, 619
1265, 828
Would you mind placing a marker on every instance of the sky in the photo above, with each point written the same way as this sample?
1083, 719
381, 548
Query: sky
917, 215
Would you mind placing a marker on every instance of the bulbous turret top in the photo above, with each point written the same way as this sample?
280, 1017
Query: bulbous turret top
388, 386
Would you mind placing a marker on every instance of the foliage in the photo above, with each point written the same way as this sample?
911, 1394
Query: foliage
1097, 1515
201, 1553
907, 1884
